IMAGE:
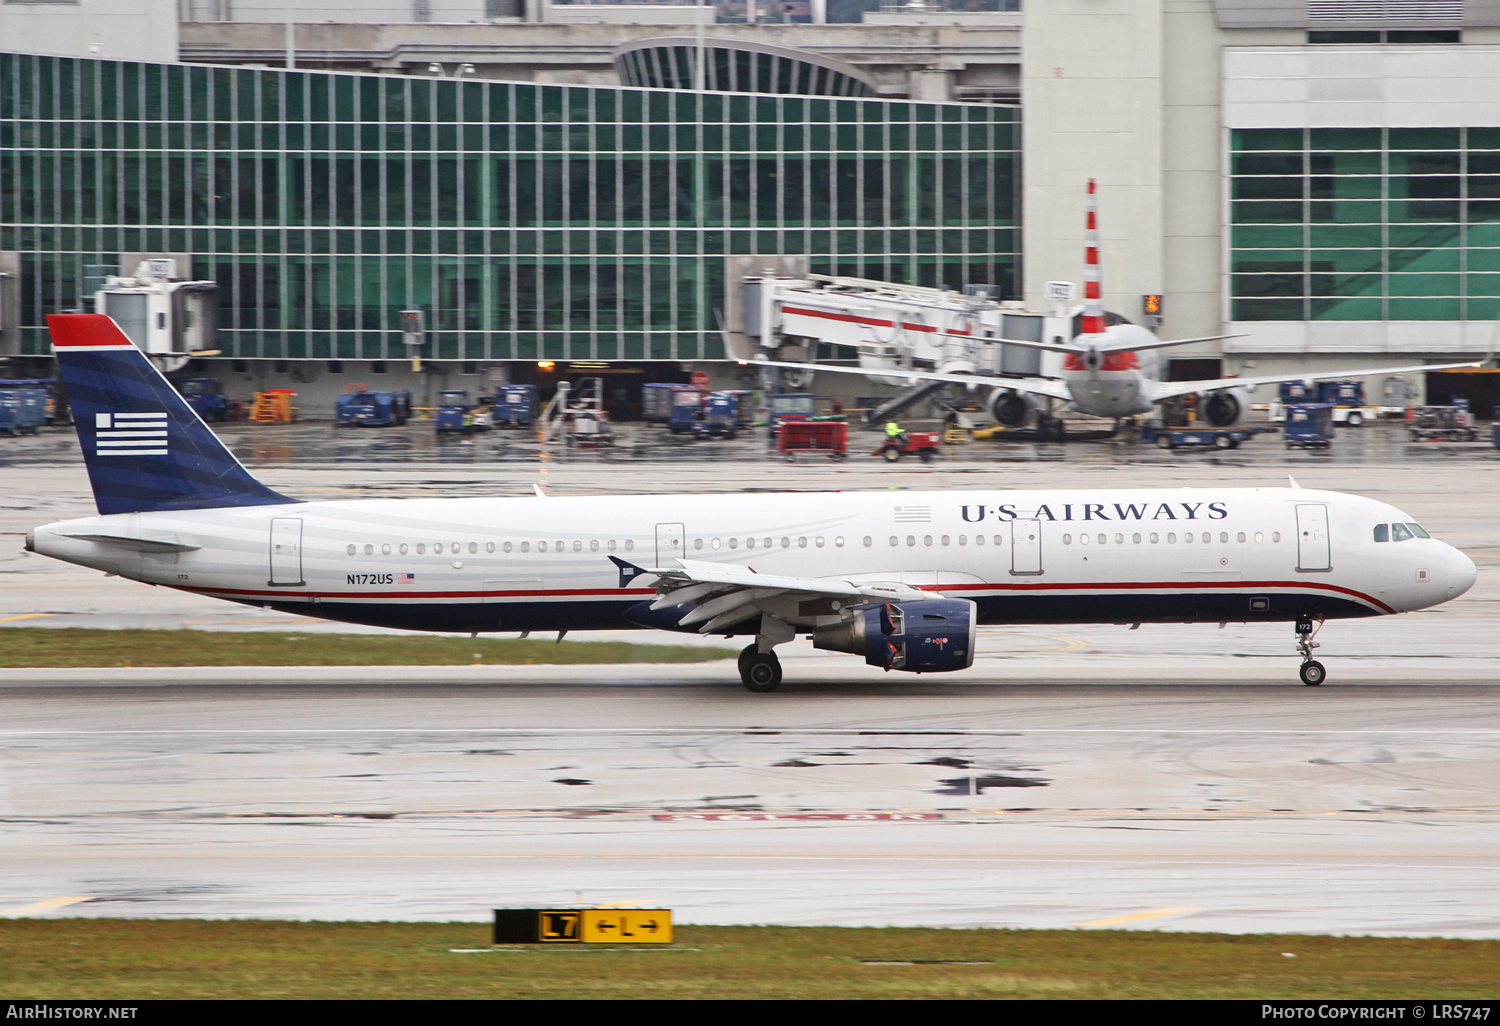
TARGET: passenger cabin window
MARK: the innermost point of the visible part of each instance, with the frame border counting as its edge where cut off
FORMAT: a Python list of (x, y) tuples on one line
[(1382, 532)]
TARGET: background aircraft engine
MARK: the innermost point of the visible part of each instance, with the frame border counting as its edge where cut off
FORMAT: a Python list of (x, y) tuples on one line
[(1011, 408), (923, 636), (1224, 409)]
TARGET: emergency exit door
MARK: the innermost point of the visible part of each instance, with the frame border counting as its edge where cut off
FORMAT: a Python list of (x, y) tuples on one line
[(669, 544), (1026, 547), (286, 551), (1312, 538)]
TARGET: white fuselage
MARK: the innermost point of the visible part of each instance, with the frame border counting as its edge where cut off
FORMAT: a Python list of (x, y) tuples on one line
[(1058, 556)]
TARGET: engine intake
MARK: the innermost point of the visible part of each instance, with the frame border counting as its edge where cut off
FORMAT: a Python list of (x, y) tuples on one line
[(921, 636), (1224, 409), (1011, 408)]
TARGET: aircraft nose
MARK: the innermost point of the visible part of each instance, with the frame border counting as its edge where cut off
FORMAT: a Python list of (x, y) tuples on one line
[(1461, 573)]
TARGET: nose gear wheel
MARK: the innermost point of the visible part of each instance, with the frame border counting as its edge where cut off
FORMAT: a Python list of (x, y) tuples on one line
[(1312, 672)]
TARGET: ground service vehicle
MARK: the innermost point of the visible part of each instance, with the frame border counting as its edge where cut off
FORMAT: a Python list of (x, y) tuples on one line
[(901, 580), (1443, 423), (206, 397), (659, 399), (1308, 426), (818, 437), (363, 408), (515, 405), (720, 416), (23, 411), (925, 445)]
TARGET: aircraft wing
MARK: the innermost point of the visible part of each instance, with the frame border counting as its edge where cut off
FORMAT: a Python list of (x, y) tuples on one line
[(723, 595), (1171, 389), (1034, 386)]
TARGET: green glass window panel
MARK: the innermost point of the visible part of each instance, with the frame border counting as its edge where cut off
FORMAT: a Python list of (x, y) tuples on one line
[(1445, 259), (1268, 163), (1425, 163), (1424, 309), (1344, 139), (1266, 309), (1359, 309), (1264, 212), (1268, 260), (1484, 186), (1338, 236), (1346, 261), (1483, 259), (1484, 138), (1266, 139), (1322, 187), (1266, 285), (1266, 236), (1482, 210), (1481, 309), (1268, 188), (1344, 284), (1344, 212), (1424, 285), (1423, 138), (1482, 284), (1422, 236)]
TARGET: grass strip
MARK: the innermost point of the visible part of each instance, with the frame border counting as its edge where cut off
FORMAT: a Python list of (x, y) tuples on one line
[(125, 959), (81, 646)]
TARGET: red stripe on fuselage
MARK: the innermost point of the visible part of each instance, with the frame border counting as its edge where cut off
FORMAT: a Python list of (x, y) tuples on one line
[(1030, 586), (1114, 361)]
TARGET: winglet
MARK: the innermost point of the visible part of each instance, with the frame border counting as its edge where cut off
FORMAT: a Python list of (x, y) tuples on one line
[(539, 493), (1293, 480), (628, 571)]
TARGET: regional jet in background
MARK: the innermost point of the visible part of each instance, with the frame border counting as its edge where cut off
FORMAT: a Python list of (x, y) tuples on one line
[(900, 579), (1109, 370)]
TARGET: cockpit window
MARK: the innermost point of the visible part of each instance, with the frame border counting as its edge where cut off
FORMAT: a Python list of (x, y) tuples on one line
[(1418, 531), (1382, 532), (1400, 533)]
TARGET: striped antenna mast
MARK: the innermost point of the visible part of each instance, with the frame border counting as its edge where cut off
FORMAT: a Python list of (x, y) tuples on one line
[(1093, 309)]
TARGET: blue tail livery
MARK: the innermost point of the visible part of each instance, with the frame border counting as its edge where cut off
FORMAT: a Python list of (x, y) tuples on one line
[(145, 448)]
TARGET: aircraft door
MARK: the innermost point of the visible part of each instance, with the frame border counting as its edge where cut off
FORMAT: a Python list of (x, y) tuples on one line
[(670, 544), (1312, 538), (286, 551), (1026, 546)]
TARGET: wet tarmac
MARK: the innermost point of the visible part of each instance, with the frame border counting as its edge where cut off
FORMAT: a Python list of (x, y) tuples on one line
[(1175, 777), (323, 443)]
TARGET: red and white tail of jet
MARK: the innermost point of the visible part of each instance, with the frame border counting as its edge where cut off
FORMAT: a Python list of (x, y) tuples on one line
[(1093, 305)]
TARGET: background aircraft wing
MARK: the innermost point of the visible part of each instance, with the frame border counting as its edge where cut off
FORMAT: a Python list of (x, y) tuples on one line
[(1034, 386), (722, 595), (1171, 389)]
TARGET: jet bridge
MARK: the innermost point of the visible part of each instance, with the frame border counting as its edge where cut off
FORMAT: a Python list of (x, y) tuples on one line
[(887, 326)]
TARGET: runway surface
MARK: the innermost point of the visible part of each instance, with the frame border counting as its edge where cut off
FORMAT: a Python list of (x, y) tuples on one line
[(1175, 777), (1191, 806)]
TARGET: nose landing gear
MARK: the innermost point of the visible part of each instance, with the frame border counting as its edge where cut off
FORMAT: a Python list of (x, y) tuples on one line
[(1312, 672)]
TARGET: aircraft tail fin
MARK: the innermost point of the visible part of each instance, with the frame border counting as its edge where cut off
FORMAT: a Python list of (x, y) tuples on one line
[(1093, 305), (145, 447)]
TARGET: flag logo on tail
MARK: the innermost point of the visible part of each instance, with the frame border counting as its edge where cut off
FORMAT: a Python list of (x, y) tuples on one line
[(130, 434)]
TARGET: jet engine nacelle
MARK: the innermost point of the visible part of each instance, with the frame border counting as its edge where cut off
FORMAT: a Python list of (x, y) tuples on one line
[(1011, 409), (1225, 408), (921, 636)]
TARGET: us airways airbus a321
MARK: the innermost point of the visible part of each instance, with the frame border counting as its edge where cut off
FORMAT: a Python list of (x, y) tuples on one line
[(902, 580)]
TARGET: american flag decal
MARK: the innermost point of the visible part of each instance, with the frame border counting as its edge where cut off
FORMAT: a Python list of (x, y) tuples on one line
[(406, 578), (130, 434), (913, 514)]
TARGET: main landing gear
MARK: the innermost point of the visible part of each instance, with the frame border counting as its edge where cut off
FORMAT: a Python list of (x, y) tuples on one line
[(760, 671), (1312, 672)]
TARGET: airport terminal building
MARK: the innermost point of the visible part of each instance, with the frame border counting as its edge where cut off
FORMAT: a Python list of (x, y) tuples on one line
[(1321, 177)]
